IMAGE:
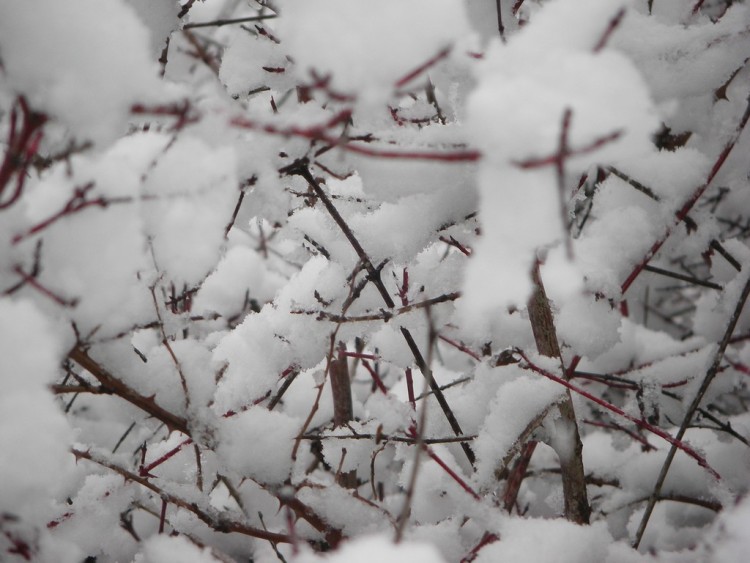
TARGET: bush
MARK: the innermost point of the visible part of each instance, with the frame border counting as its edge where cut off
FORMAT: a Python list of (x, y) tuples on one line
[(421, 280)]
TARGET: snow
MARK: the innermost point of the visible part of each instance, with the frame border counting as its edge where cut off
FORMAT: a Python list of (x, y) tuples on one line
[(664, 53), (368, 67), (179, 254), (167, 549), (374, 549), (547, 541), (34, 434), (257, 443), (517, 403), (85, 62), (516, 115), (192, 192)]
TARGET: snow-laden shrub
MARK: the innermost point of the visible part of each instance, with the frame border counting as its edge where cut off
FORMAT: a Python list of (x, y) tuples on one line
[(414, 280)]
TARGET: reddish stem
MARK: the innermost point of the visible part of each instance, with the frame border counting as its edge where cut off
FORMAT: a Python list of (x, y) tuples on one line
[(375, 377), (614, 23), (461, 347), (452, 473), (609, 406), (423, 67), (688, 206), (487, 539), (145, 471)]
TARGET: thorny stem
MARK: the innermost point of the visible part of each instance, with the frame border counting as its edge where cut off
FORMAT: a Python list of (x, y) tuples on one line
[(219, 23), (418, 434), (168, 346), (710, 374), (209, 516), (114, 385), (382, 315), (682, 213), (319, 134), (300, 168), (528, 364), (384, 438)]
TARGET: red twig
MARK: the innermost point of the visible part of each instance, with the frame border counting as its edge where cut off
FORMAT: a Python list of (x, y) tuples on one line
[(453, 242), (614, 426), (77, 202), (22, 146), (452, 473), (319, 133), (145, 471), (682, 213), (487, 539), (560, 156), (375, 377), (610, 407), (423, 67), (614, 23), (513, 485), (33, 282), (403, 291), (361, 356), (461, 347)]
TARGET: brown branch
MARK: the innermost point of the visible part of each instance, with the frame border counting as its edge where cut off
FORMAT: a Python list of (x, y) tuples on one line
[(343, 410), (208, 515), (111, 384), (383, 315), (577, 507), (219, 23)]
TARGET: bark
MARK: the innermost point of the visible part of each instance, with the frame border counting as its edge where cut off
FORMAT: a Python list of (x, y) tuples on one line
[(569, 447), (343, 411)]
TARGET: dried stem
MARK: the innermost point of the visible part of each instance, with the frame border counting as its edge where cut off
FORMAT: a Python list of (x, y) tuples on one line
[(577, 507)]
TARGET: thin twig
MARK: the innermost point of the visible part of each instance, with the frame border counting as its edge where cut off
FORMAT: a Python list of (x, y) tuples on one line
[(710, 374), (210, 517), (300, 168), (219, 23)]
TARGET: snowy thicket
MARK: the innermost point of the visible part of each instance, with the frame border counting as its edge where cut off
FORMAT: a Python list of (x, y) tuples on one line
[(357, 280)]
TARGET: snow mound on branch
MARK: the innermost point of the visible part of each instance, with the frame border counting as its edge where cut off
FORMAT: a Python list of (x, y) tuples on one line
[(514, 408), (192, 190), (86, 62), (368, 47), (548, 540), (34, 434), (258, 444), (517, 118), (683, 61), (173, 549), (377, 549)]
